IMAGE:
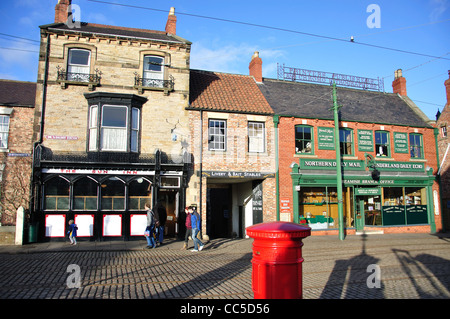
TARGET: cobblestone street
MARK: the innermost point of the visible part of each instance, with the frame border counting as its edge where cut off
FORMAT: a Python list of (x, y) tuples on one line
[(411, 266)]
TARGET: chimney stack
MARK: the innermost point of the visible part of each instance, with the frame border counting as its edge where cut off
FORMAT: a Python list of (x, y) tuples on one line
[(399, 83), (255, 67), (171, 25), (62, 11), (447, 88)]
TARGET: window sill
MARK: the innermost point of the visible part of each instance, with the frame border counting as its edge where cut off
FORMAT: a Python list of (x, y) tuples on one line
[(141, 89), (90, 85)]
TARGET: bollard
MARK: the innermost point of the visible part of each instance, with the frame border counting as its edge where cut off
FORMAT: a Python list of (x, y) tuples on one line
[(277, 260)]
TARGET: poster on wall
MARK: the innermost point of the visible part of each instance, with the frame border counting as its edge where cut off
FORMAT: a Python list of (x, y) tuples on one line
[(138, 223), (85, 224), (112, 225), (55, 225)]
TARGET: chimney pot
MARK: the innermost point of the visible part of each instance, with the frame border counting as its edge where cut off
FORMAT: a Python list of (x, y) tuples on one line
[(255, 67), (171, 25)]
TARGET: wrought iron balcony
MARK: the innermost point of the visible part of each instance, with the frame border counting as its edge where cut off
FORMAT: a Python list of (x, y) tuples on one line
[(141, 84), (91, 80)]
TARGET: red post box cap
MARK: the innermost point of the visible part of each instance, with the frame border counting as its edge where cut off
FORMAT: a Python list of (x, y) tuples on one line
[(278, 230)]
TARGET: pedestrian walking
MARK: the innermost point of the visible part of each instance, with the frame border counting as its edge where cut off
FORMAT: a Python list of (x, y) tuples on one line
[(72, 232), (150, 229), (188, 211), (195, 223)]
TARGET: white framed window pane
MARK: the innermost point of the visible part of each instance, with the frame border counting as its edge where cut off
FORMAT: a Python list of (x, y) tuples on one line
[(78, 65), (114, 139), (4, 130), (256, 137), (114, 116), (217, 135)]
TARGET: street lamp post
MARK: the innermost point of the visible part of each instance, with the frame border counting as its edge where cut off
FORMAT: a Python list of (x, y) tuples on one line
[(336, 108)]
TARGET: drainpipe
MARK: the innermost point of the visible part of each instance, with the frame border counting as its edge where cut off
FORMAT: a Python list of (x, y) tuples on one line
[(200, 173), (41, 126), (276, 120)]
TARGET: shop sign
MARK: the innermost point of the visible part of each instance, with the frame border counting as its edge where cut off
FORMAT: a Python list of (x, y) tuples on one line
[(365, 141), (95, 171), (368, 191), (325, 138), (234, 174), (360, 165), (400, 142)]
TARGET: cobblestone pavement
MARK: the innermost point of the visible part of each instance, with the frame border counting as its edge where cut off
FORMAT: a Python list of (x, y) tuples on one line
[(411, 266)]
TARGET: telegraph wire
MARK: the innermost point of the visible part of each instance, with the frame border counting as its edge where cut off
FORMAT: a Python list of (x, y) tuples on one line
[(272, 28)]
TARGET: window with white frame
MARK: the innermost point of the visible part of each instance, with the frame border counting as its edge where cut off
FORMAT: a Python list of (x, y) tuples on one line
[(117, 130), (256, 140), (153, 71), (217, 135), (4, 131), (78, 65)]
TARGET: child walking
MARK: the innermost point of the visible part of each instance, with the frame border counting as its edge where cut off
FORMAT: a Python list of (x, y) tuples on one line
[(72, 232)]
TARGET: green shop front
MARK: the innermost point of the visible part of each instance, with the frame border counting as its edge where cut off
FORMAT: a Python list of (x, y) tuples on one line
[(379, 194)]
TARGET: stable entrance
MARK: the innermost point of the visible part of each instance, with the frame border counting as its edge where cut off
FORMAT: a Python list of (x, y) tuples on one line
[(233, 206)]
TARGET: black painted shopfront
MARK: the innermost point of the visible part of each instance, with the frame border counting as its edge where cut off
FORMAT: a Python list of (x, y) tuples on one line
[(105, 194)]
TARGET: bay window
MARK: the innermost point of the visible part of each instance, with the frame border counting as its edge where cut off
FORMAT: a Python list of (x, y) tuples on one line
[(114, 122)]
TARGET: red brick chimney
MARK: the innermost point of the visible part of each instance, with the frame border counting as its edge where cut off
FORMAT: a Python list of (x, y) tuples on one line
[(61, 11), (399, 83), (447, 88), (255, 67), (171, 25)]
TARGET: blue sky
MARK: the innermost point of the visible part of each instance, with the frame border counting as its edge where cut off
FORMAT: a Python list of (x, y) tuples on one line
[(410, 25)]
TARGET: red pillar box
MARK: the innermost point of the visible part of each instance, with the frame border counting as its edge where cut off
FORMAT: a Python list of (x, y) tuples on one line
[(277, 260)]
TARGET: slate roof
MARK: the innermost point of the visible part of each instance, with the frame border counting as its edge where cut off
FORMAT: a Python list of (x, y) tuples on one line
[(225, 92), (115, 31), (315, 100), (17, 93)]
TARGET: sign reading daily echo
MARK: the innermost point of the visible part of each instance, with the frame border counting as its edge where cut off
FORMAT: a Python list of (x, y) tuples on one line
[(360, 165)]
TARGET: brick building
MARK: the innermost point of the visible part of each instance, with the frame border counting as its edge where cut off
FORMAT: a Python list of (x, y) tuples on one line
[(234, 152), (16, 125), (111, 110), (388, 152), (16, 131), (443, 126)]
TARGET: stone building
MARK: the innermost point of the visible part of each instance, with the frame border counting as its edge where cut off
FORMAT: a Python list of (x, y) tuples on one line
[(110, 110), (16, 131)]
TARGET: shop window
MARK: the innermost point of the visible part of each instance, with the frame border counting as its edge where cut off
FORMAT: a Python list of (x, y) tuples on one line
[(303, 139), (416, 205), (318, 207), (256, 140), (416, 146), (56, 194), (112, 194), (140, 191), (217, 135), (85, 194), (382, 147), (346, 141)]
